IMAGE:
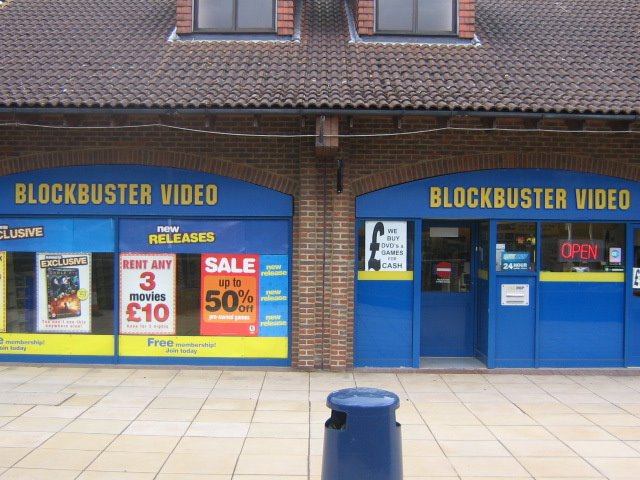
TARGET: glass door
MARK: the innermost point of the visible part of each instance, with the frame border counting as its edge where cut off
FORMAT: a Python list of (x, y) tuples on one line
[(448, 294)]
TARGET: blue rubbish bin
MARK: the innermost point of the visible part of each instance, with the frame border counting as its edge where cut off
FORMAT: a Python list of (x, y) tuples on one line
[(362, 439)]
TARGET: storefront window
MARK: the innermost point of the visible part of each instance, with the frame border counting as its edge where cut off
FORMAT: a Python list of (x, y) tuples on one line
[(446, 259), (43, 296), (516, 247), (583, 247), (100, 265), (183, 281), (188, 294), (200, 294)]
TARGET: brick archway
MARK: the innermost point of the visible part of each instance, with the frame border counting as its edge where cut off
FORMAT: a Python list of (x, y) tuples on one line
[(445, 166), (157, 158)]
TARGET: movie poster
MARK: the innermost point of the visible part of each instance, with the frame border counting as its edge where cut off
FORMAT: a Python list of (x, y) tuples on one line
[(64, 298), (3, 291)]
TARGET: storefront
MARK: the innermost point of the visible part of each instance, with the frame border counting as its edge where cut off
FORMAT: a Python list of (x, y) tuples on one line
[(138, 264), (517, 268)]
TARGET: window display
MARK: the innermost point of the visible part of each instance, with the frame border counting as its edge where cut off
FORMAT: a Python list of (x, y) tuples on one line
[(516, 247), (211, 288), (58, 276), (583, 247), (42, 297)]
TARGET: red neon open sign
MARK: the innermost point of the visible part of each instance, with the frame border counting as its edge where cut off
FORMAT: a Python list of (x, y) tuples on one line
[(580, 250)]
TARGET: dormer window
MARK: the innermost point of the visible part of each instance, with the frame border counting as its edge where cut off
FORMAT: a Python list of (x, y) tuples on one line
[(234, 15), (416, 17), (207, 18), (380, 19)]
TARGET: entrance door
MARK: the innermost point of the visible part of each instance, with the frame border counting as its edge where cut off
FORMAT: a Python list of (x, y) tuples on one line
[(448, 294), (633, 314)]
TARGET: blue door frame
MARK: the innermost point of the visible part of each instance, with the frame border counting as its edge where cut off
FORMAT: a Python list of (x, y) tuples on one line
[(447, 319), (632, 297)]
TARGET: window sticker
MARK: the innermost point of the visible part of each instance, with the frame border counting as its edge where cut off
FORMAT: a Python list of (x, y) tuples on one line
[(147, 294)]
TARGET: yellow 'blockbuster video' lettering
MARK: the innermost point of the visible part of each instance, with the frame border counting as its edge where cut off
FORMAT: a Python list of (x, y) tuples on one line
[(498, 197), (179, 194), (185, 194), (83, 193), (524, 197)]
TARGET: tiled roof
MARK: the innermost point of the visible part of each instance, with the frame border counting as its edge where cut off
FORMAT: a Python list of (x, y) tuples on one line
[(536, 55)]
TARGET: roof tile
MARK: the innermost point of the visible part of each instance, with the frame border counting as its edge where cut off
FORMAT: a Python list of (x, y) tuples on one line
[(533, 56)]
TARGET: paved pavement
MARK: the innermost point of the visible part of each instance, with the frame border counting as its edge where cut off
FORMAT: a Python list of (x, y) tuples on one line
[(60, 422)]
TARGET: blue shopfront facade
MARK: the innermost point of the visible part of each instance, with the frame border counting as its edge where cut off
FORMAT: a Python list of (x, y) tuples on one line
[(514, 267), (143, 265)]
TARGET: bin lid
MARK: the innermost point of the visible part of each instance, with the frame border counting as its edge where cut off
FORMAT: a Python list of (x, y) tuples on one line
[(363, 401)]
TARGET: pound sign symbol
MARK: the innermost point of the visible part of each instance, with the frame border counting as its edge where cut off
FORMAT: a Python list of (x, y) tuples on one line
[(374, 263)]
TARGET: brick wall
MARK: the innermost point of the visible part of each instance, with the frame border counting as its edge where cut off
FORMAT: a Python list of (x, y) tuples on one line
[(364, 14), (466, 18), (285, 17), (364, 17), (324, 220), (184, 17)]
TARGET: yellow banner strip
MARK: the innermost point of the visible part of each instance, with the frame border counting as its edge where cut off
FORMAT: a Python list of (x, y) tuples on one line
[(604, 277), (202, 347), (56, 344), (372, 275)]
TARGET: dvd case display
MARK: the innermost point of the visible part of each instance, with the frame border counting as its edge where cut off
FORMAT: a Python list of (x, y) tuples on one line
[(62, 292)]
